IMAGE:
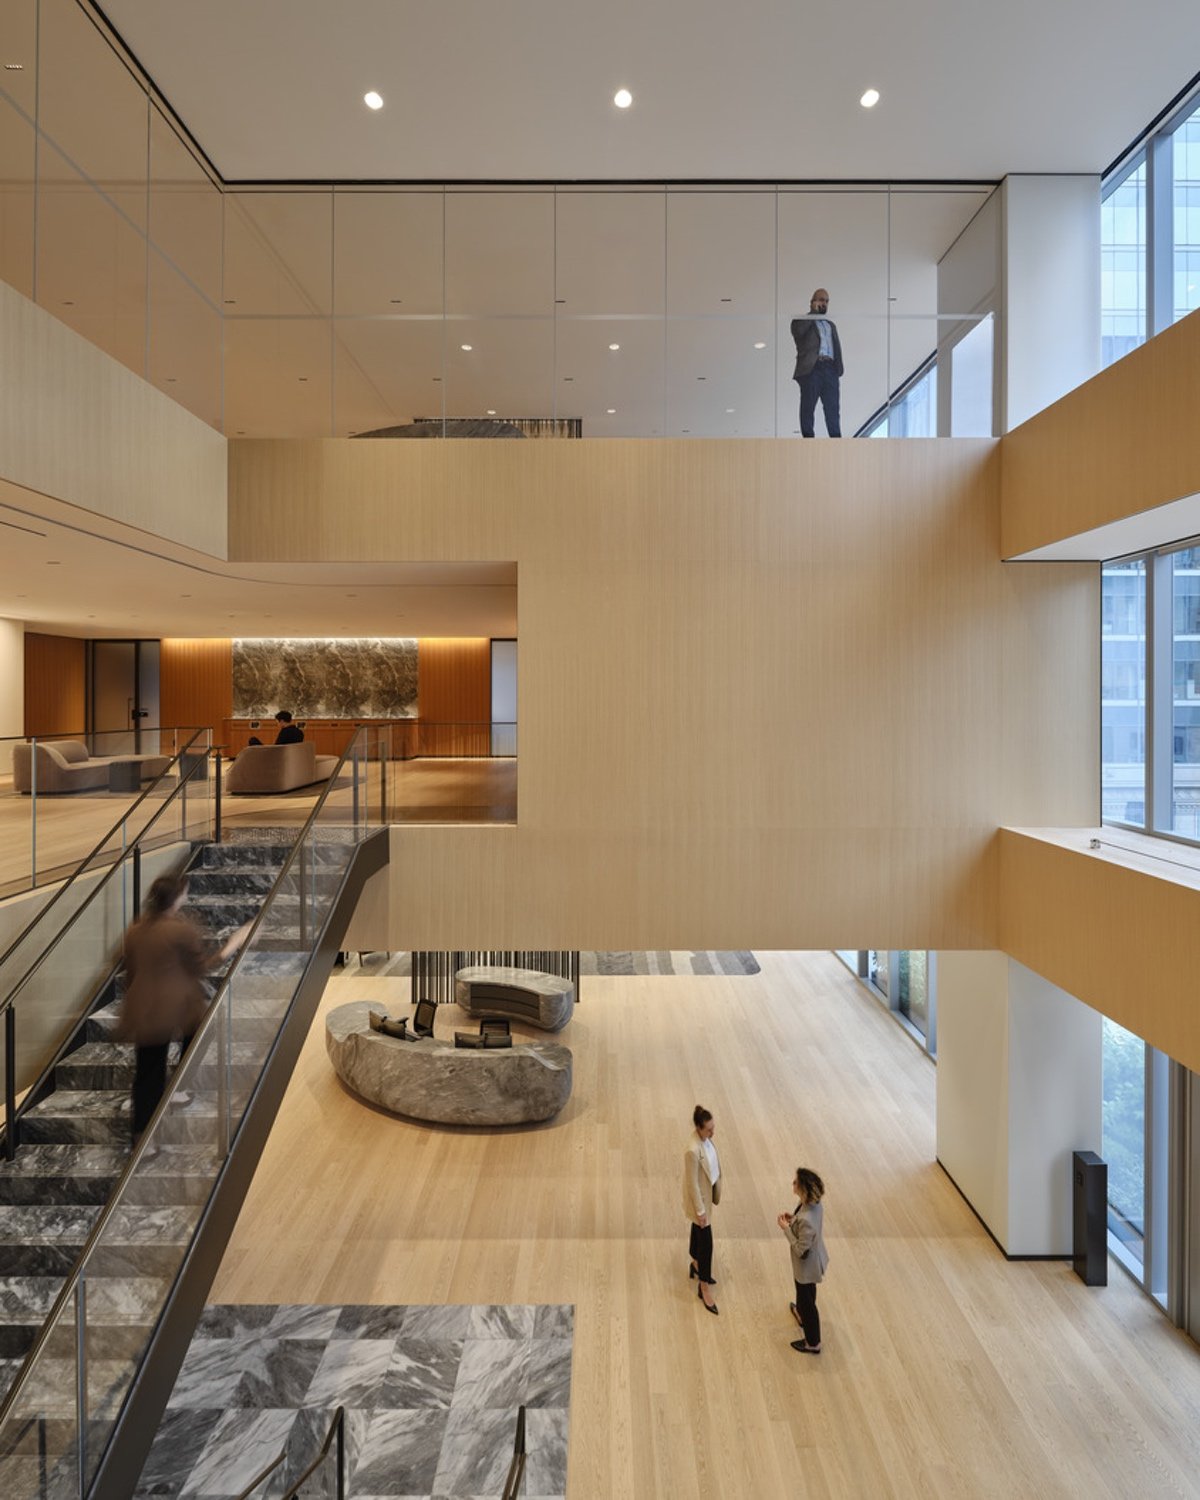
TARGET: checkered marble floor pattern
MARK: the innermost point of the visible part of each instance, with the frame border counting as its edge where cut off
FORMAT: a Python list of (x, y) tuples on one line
[(431, 1397)]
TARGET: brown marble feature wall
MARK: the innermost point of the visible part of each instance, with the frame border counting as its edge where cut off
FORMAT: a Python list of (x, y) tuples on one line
[(455, 692), (326, 679), (54, 684), (196, 682)]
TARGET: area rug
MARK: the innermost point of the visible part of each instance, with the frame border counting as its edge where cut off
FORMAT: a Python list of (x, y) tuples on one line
[(710, 962), (431, 1397)]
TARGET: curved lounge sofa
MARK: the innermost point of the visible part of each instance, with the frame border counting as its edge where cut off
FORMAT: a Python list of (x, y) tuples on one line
[(66, 766), (262, 770), (429, 1080), (543, 1000)]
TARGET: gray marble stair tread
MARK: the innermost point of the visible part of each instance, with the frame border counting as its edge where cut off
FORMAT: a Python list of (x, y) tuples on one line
[(104, 1054), (81, 1104), (116, 1300), (66, 1160), (49, 1224), (46, 1223)]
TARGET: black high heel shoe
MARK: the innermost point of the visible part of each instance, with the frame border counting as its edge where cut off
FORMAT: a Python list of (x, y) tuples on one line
[(708, 1306), (693, 1273)]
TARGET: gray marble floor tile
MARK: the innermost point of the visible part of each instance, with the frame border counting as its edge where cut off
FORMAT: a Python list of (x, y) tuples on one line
[(231, 1321), (553, 1321), (437, 1322), (501, 1322), (492, 1373), (211, 1376), (277, 1372), (303, 1323), (423, 1372), (546, 1453), (181, 1438), (241, 1445), (350, 1372), (548, 1373), (369, 1320), (399, 1453), (476, 1451)]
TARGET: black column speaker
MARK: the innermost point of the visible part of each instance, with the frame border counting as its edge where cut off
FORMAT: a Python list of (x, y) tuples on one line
[(1090, 1202)]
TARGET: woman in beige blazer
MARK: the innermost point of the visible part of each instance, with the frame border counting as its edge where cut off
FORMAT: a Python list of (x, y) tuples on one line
[(805, 1231), (701, 1189)]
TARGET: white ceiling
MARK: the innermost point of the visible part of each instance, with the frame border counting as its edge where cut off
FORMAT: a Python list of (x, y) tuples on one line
[(69, 572), (971, 89)]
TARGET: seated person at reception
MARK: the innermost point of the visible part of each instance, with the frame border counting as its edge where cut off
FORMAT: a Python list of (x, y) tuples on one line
[(289, 733)]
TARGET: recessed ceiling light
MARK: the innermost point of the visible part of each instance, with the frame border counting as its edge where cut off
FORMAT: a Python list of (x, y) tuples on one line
[(729, 411), (373, 100), (760, 345), (466, 348), (614, 347), (612, 411), (622, 98), (491, 411), (20, 68), (870, 99)]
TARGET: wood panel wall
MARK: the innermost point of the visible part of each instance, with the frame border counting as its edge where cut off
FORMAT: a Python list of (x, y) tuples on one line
[(55, 684), (1114, 930), (772, 693), (77, 425), (1124, 442), (196, 682), (454, 690)]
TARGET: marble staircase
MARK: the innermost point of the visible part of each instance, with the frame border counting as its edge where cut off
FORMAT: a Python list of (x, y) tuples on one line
[(75, 1145)]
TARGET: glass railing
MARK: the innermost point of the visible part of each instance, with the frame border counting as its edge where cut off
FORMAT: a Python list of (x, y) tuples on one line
[(83, 1364), (67, 797), (416, 739), (55, 965)]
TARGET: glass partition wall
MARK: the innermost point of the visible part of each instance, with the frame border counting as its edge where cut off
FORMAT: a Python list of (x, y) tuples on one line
[(644, 310)]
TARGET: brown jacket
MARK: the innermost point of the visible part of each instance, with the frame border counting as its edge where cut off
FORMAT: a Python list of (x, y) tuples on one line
[(165, 960)]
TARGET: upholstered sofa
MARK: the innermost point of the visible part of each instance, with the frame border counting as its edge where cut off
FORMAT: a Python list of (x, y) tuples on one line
[(263, 770), (66, 766)]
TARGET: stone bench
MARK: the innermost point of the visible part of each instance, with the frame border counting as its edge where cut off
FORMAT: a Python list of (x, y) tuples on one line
[(429, 1080), (543, 1000)]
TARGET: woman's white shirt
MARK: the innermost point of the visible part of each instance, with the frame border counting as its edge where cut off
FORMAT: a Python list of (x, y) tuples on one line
[(710, 1156)]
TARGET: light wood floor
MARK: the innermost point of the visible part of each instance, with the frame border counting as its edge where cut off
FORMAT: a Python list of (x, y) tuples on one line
[(946, 1371)]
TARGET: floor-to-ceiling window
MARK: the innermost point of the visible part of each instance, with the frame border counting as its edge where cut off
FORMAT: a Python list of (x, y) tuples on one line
[(1123, 264), (1123, 691), (1125, 1141), (1150, 235), (905, 981)]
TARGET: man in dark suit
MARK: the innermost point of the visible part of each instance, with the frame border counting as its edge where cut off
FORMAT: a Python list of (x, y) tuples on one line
[(818, 366), (289, 733)]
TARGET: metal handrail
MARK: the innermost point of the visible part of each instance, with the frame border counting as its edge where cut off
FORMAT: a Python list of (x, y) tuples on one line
[(516, 1470), (81, 868), (8, 1000), (337, 1429), (70, 1286)]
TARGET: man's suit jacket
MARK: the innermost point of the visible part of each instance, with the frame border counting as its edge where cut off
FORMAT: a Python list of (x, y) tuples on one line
[(808, 345), (699, 1193)]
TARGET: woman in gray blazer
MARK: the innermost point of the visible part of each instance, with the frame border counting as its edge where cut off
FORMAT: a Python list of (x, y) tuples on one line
[(809, 1256), (701, 1189)]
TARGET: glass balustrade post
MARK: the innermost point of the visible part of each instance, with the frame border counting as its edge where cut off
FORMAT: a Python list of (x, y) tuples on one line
[(81, 1415), (224, 1072), (10, 1082), (33, 760)]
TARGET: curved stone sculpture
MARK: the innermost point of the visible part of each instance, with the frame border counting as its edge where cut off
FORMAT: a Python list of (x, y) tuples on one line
[(428, 1080), (543, 1000)]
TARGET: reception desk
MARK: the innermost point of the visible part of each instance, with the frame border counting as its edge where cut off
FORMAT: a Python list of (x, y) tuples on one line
[(411, 738)]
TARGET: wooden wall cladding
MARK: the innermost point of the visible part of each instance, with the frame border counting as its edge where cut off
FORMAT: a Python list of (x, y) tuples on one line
[(772, 693), (55, 676), (1114, 927), (454, 696), (1124, 442), (196, 682)]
